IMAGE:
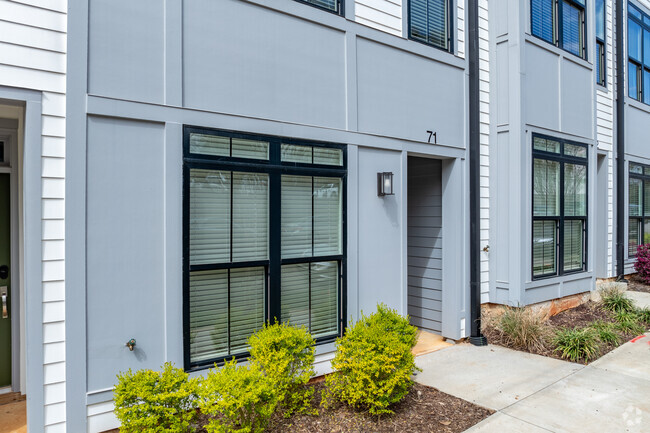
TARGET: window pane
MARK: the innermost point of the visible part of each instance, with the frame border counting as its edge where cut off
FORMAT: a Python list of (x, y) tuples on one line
[(634, 11), (633, 234), (600, 63), (546, 145), (294, 153), (634, 40), (252, 149), (542, 19), (296, 216), (575, 190), (546, 187), (632, 78), (328, 156), (646, 231), (571, 28), (327, 4), (209, 216), (544, 241), (573, 245), (573, 150), (636, 168), (209, 145), (295, 294), (646, 85), (635, 197), (646, 198), (246, 305), (327, 216), (208, 315), (646, 47), (429, 21), (250, 225), (324, 298), (600, 19)]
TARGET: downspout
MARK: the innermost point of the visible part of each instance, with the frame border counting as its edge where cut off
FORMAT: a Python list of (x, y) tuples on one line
[(620, 143), (476, 338)]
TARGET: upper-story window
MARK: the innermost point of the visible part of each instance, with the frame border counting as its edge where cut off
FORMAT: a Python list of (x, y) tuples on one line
[(329, 5), (638, 51), (601, 70), (560, 22), (429, 22)]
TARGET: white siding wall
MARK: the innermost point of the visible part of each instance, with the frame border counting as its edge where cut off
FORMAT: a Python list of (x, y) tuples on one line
[(33, 56), (460, 22), (385, 15), (484, 88)]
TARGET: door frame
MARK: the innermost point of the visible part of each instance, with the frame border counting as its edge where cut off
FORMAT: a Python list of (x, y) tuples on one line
[(9, 134)]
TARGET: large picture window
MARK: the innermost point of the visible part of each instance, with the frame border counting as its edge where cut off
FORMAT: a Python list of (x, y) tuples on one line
[(263, 239), (559, 207), (429, 22), (638, 230), (561, 23), (638, 51)]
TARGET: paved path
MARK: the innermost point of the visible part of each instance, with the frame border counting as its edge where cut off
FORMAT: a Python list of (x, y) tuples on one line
[(535, 394)]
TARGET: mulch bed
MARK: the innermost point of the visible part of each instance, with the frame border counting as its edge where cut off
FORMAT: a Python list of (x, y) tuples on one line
[(580, 317), (636, 284)]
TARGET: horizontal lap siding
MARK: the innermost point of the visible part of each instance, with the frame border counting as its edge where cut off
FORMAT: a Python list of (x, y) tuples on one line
[(484, 98), (33, 56), (384, 15), (425, 244)]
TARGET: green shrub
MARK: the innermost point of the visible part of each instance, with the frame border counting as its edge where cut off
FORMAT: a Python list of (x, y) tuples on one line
[(522, 328), (606, 332), (155, 401), (238, 398), (614, 300), (285, 354), (628, 323), (577, 344), (644, 315), (373, 362)]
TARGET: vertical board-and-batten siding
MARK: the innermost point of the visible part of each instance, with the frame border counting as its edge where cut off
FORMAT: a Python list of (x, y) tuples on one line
[(605, 106), (425, 243), (33, 56)]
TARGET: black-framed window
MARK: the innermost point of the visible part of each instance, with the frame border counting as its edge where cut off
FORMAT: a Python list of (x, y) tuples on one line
[(638, 230), (263, 238), (561, 23), (638, 51), (430, 22), (335, 6), (601, 39), (559, 207)]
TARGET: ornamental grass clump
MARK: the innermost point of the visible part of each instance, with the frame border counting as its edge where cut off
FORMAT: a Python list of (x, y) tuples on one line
[(522, 328), (642, 264), (615, 300), (628, 323), (606, 332), (154, 401), (373, 363), (285, 354), (238, 398), (577, 344)]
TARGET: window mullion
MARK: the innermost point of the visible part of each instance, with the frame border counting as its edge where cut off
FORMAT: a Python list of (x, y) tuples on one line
[(275, 250)]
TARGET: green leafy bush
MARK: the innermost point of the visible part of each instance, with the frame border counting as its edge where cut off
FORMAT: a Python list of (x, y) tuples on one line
[(285, 354), (373, 362), (155, 401), (522, 328), (644, 315), (628, 323), (614, 300), (606, 332), (239, 399), (577, 344)]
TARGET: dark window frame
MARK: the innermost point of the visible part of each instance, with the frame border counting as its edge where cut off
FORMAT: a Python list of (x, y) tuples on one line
[(561, 218), (450, 28), (558, 26), (641, 67), (601, 49), (640, 219), (275, 168), (340, 7)]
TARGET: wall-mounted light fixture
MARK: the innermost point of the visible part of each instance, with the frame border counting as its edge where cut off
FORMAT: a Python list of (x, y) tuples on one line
[(385, 184)]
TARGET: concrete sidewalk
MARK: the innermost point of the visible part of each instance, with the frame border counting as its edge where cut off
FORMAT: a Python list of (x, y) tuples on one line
[(532, 393)]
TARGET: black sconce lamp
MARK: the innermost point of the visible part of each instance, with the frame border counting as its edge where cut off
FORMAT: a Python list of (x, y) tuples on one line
[(385, 184)]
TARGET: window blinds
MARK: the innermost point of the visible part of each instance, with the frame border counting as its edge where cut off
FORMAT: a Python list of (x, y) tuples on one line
[(429, 21), (542, 19), (571, 28)]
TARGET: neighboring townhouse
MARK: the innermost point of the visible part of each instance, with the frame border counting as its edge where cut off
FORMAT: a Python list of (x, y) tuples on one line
[(207, 165)]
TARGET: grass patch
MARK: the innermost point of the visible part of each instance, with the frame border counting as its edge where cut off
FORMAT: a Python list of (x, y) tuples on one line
[(577, 344)]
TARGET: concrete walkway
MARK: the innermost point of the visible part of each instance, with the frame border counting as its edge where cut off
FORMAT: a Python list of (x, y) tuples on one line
[(641, 299), (532, 393)]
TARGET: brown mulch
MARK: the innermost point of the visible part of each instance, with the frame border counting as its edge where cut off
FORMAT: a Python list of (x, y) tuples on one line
[(580, 317), (635, 283)]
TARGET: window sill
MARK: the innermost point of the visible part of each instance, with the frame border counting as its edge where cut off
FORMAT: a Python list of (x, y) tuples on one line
[(547, 281), (541, 43), (637, 104)]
